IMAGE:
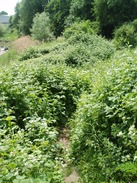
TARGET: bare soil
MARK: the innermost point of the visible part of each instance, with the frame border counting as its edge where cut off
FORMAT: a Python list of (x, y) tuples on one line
[(65, 143)]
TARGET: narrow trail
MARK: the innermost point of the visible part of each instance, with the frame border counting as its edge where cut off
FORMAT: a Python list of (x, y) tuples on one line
[(65, 143)]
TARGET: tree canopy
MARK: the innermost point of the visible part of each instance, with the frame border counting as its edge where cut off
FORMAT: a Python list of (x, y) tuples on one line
[(3, 13), (108, 14), (25, 12)]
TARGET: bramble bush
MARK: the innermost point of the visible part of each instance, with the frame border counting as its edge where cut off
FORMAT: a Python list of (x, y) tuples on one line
[(126, 35), (79, 27), (104, 129), (41, 89), (77, 50), (30, 155), (36, 99)]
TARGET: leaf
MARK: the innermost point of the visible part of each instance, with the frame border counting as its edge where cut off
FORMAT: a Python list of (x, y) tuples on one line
[(20, 177)]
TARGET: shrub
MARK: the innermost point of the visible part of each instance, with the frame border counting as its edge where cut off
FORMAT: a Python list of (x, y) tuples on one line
[(98, 47), (79, 27), (31, 155), (48, 91), (36, 98), (2, 30), (104, 130), (126, 35), (77, 50), (41, 27)]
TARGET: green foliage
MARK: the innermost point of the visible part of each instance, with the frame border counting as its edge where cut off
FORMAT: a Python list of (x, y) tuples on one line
[(93, 47), (79, 27), (8, 57), (80, 10), (126, 35), (79, 49), (41, 29), (126, 171), (3, 29), (31, 155), (58, 11), (36, 98), (104, 130), (111, 14), (24, 14), (46, 91)]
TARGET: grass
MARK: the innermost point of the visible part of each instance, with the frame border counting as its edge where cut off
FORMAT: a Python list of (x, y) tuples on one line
[(23, 43), (16, 47)]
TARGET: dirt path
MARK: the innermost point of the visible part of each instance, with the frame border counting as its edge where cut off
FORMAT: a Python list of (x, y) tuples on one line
[(65, 143)]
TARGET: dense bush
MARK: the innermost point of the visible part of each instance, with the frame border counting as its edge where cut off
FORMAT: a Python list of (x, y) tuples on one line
[(97, 47), (111, 14), (35, 100), (126, 35), (79, 27), (2, 30), (41, 29), (78, 49), (31, 155), (104, 130), (41, 89)]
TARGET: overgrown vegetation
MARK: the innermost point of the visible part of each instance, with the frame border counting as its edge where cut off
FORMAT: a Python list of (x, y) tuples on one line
[(41, 29), (104, 127), (80, 81), (126, 35)]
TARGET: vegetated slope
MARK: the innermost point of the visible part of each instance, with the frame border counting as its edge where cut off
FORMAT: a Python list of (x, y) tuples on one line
[(40, 93), (104, 130), (77, 50), (38, 98)]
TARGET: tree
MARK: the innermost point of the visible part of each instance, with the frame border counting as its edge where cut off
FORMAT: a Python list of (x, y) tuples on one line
[(113, 13), (15, 20), (3, 13), (25, 12), (41, 29), (80, 10), (58, 11)]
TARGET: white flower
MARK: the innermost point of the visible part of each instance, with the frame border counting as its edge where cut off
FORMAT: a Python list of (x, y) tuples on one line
[(120, 134), (135, 157)]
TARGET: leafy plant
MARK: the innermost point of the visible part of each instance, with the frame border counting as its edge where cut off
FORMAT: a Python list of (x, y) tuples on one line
[(41, 29), (30, 155), (126, 35), (2, 30), (104, 130), (79, 27)]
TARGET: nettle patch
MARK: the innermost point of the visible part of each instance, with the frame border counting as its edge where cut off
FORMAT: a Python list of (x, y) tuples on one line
[(35, 100), (104, 130)]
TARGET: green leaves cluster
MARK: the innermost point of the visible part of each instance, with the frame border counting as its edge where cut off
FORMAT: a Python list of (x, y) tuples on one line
[(47, 91), (108, 14), (79, 48), (29, 155), (104, 130), (36, 98), (41, 29), (126, 35)]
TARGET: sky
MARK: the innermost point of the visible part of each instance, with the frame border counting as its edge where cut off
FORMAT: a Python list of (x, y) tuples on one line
[(8, 6)]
